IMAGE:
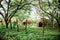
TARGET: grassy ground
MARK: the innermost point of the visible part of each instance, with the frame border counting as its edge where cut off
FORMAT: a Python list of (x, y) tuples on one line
[(33, 33)]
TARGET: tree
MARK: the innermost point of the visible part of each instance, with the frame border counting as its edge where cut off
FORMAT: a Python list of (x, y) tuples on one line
[(51, 8), (12, 7), (54, 9)]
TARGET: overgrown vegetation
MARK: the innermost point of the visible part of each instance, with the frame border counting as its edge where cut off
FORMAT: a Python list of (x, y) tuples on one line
[(16, 29), (33, 33)]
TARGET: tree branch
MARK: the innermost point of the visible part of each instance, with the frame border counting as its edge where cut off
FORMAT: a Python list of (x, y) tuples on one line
[(6, 1), (3, 8), (46, 12), (15, 11), (2, 15)]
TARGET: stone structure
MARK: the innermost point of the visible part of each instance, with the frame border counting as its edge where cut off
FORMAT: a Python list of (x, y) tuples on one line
[(28, 21), (42, 21)]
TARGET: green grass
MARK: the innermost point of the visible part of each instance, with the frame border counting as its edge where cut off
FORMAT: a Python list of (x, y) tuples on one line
[(33, 33)]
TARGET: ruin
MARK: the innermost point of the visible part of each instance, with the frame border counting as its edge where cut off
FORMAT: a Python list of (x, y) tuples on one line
[(42, 21), (28, 21)]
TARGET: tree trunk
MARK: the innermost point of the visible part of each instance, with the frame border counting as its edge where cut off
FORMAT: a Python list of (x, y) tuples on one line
[(43, 29), (58, 23), (6, 25), (26, 27), (10, 24), (43, 26), (2, 23), (58, 37), (52, 22), (59, 27), (17, 25)]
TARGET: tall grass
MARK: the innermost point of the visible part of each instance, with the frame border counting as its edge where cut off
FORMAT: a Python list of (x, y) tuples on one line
[(33, 33)]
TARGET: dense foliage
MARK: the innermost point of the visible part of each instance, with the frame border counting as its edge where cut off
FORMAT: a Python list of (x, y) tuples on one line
[(33, 33), (21, 9)]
